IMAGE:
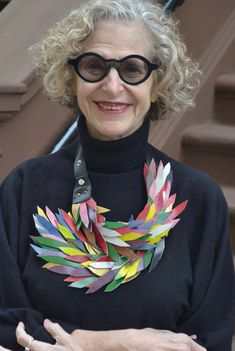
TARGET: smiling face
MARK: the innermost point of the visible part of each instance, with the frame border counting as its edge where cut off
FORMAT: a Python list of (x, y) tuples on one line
[(113, 109)]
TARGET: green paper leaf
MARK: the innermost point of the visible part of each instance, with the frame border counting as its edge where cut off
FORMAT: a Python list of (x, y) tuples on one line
[(114, 254), (48, 242), (162, 216), (113, 285), (83, 282), (113, 225), (79, 223), (60, 260), (145, 237), (147, 259)]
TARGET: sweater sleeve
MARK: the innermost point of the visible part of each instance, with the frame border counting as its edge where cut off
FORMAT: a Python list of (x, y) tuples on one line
[(212, 311), (15, 304)]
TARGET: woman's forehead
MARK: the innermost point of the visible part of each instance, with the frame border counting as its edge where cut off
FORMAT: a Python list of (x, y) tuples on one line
[(119, 38)]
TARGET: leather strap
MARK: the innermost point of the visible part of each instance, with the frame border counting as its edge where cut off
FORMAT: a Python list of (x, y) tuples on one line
[(82, 188)]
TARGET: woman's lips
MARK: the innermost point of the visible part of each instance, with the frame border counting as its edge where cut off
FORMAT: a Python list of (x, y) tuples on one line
[(112, 107)]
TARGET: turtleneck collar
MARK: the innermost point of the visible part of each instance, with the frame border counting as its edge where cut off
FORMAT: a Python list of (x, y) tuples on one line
[(114, 156)]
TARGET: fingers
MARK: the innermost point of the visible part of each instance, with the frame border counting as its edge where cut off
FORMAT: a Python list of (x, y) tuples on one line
[(186, 342), (62, 338), (165, 340), (197, 347), (57, 332), (28, 342), (22, 337)]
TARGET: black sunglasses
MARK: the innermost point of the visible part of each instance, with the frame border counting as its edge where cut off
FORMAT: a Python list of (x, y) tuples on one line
[(132, 69)]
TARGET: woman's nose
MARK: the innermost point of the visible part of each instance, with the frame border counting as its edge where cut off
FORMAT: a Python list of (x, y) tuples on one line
[(112, 83)]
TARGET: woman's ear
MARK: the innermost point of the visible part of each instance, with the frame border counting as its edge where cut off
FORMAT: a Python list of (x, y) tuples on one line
[(154, 96), (154, 92)]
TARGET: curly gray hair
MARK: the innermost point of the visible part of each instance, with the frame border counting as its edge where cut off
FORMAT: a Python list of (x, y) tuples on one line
[(175, 79)]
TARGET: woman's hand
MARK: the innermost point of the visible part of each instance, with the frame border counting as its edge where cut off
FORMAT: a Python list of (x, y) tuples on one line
[(63, 340), (147, 339)]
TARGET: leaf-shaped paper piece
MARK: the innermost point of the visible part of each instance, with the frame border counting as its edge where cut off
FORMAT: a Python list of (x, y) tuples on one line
[(114, 285), (102, 281), (131, 236), (46, 252), (60, 260), (93, 252), (160, 229), (102, 209), (83, 282), (44, 226), (50, 215), (72, 271), (113, 225), (100, 241), (177, 210), (158, 251), (75, 212), (71, 251), (48, 242), (84, 214), (117, 242), (67, 234)]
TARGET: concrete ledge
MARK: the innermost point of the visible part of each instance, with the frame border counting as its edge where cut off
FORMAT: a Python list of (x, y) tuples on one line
[(211, 136), (225, 85)]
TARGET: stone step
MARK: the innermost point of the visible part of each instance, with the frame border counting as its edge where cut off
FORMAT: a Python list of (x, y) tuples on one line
[(211, 148), (224, 107), (219, 137), (11, 94), (225, 85), (224, 110)]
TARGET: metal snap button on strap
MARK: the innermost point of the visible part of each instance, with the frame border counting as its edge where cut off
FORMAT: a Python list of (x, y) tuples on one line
[(82, 189)]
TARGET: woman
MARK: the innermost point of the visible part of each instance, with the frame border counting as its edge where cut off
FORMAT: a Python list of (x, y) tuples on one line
[(132, 281)]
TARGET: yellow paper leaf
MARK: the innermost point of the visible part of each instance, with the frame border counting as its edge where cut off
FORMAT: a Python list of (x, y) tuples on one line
[(130, 236), (91, 249), (102, 209), (86, 264), (72, 252), (41, 213), (97, 271), (50, 265), (158, 238), (123, 271), (132, 269), (65, 232), (75, 209), (152, 211), (131, 278)]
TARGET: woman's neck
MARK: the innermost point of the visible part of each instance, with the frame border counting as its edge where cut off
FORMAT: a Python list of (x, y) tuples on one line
[(115, 156)]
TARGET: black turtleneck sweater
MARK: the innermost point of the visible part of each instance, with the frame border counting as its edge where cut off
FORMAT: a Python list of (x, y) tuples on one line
[(192, 290)]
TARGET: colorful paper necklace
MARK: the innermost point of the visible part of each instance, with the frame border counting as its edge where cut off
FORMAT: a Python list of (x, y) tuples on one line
[(94, 252)]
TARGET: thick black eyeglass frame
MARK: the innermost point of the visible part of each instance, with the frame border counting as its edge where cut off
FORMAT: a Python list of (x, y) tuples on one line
[(113, 63)]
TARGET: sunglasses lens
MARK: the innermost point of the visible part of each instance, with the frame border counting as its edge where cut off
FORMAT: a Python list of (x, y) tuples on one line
[(133, 70), (91, 68)]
